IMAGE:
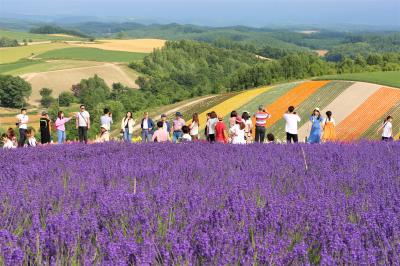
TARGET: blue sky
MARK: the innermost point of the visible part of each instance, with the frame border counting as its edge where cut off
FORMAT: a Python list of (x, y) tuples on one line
[(221, 12)]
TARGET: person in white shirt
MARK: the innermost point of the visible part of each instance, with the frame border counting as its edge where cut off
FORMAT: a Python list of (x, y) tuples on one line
[(237, 132), (127, 127), (83, 124), (106, 119), (22, 124), (7, 142), (194, 127), (211, 126), (387, 131), (292, 119)]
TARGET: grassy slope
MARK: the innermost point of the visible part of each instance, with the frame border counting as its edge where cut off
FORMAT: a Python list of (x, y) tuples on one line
[(33, 66), (373, 133), (13, 54), (321, 98), (92, 54), (390, 78), (21, 35), (264, 99)]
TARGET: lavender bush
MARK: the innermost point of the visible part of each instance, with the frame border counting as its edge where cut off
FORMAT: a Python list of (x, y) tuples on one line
[(201, 204)]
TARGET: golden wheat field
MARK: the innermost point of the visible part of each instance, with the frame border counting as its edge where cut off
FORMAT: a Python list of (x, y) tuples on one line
[(135, 45)]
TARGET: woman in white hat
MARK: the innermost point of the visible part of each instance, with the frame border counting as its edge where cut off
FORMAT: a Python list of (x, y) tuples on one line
[(315, 133)]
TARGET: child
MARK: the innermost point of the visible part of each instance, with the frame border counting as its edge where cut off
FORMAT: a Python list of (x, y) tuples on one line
[(30, 134), (329, 128), (7, 142), (186, 136), (270, 138)]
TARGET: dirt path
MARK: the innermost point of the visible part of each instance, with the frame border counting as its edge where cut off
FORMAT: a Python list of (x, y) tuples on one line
[(344, 104)]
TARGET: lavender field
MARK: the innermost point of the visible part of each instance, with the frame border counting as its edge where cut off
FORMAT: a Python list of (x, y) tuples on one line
[(201, 204)]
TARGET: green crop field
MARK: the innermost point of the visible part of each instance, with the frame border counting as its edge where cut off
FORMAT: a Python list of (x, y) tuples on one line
[(389, 78), (92, 54), (25, 66), (13, 54), (21, 35)]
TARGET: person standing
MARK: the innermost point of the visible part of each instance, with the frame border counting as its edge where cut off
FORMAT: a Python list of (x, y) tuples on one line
[(329, 127), (22, 124), (261, 121), (387, 129), (237, 131), (60, 127), (45, 126), (166, 125), (147, 126), (220, 130), (194, 127), (127, 125), (211, 126), (83, 124), (292, 119), (232, 119), (106, 119), (315, 132), (177, 125), (249, 127)]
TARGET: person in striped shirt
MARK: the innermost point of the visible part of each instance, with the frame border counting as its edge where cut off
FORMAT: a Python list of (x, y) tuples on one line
[(261, 120)]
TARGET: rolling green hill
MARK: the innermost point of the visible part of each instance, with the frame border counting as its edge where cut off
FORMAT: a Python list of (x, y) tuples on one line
[(92, 54), (389, 78)]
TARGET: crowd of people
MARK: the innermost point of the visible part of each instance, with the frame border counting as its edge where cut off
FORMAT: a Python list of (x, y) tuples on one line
[(239, 129)]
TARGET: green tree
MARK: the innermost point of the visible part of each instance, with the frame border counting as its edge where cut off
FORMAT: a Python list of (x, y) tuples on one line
[(14, 91), (93, 91), (66, 98), (47, 100)]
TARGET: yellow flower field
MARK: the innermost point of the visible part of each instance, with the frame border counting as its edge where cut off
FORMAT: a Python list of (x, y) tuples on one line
[(233, 103)]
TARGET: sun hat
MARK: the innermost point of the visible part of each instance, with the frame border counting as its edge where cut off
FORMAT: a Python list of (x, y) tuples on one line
[(317, 109), (104, 126), (239, 119), (178, 114)]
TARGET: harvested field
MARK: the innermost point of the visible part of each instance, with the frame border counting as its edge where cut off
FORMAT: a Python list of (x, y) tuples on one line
[(12, 54), (135, 45)]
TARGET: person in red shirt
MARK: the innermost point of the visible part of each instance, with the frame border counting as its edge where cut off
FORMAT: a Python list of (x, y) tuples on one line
[(261, 120), (220, 130)]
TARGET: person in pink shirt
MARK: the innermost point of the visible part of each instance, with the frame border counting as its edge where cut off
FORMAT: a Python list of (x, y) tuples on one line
[(60, 127), (161, 135), (177, 125)]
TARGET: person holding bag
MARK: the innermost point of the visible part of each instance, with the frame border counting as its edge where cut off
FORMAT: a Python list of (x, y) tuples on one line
[(127, 125), (83, 124)]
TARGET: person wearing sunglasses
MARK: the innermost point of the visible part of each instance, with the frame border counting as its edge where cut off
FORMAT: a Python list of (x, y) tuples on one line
[(83, 124)]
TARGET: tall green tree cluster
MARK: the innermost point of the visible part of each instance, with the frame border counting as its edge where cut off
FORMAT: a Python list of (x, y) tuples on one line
[(14, 91)]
